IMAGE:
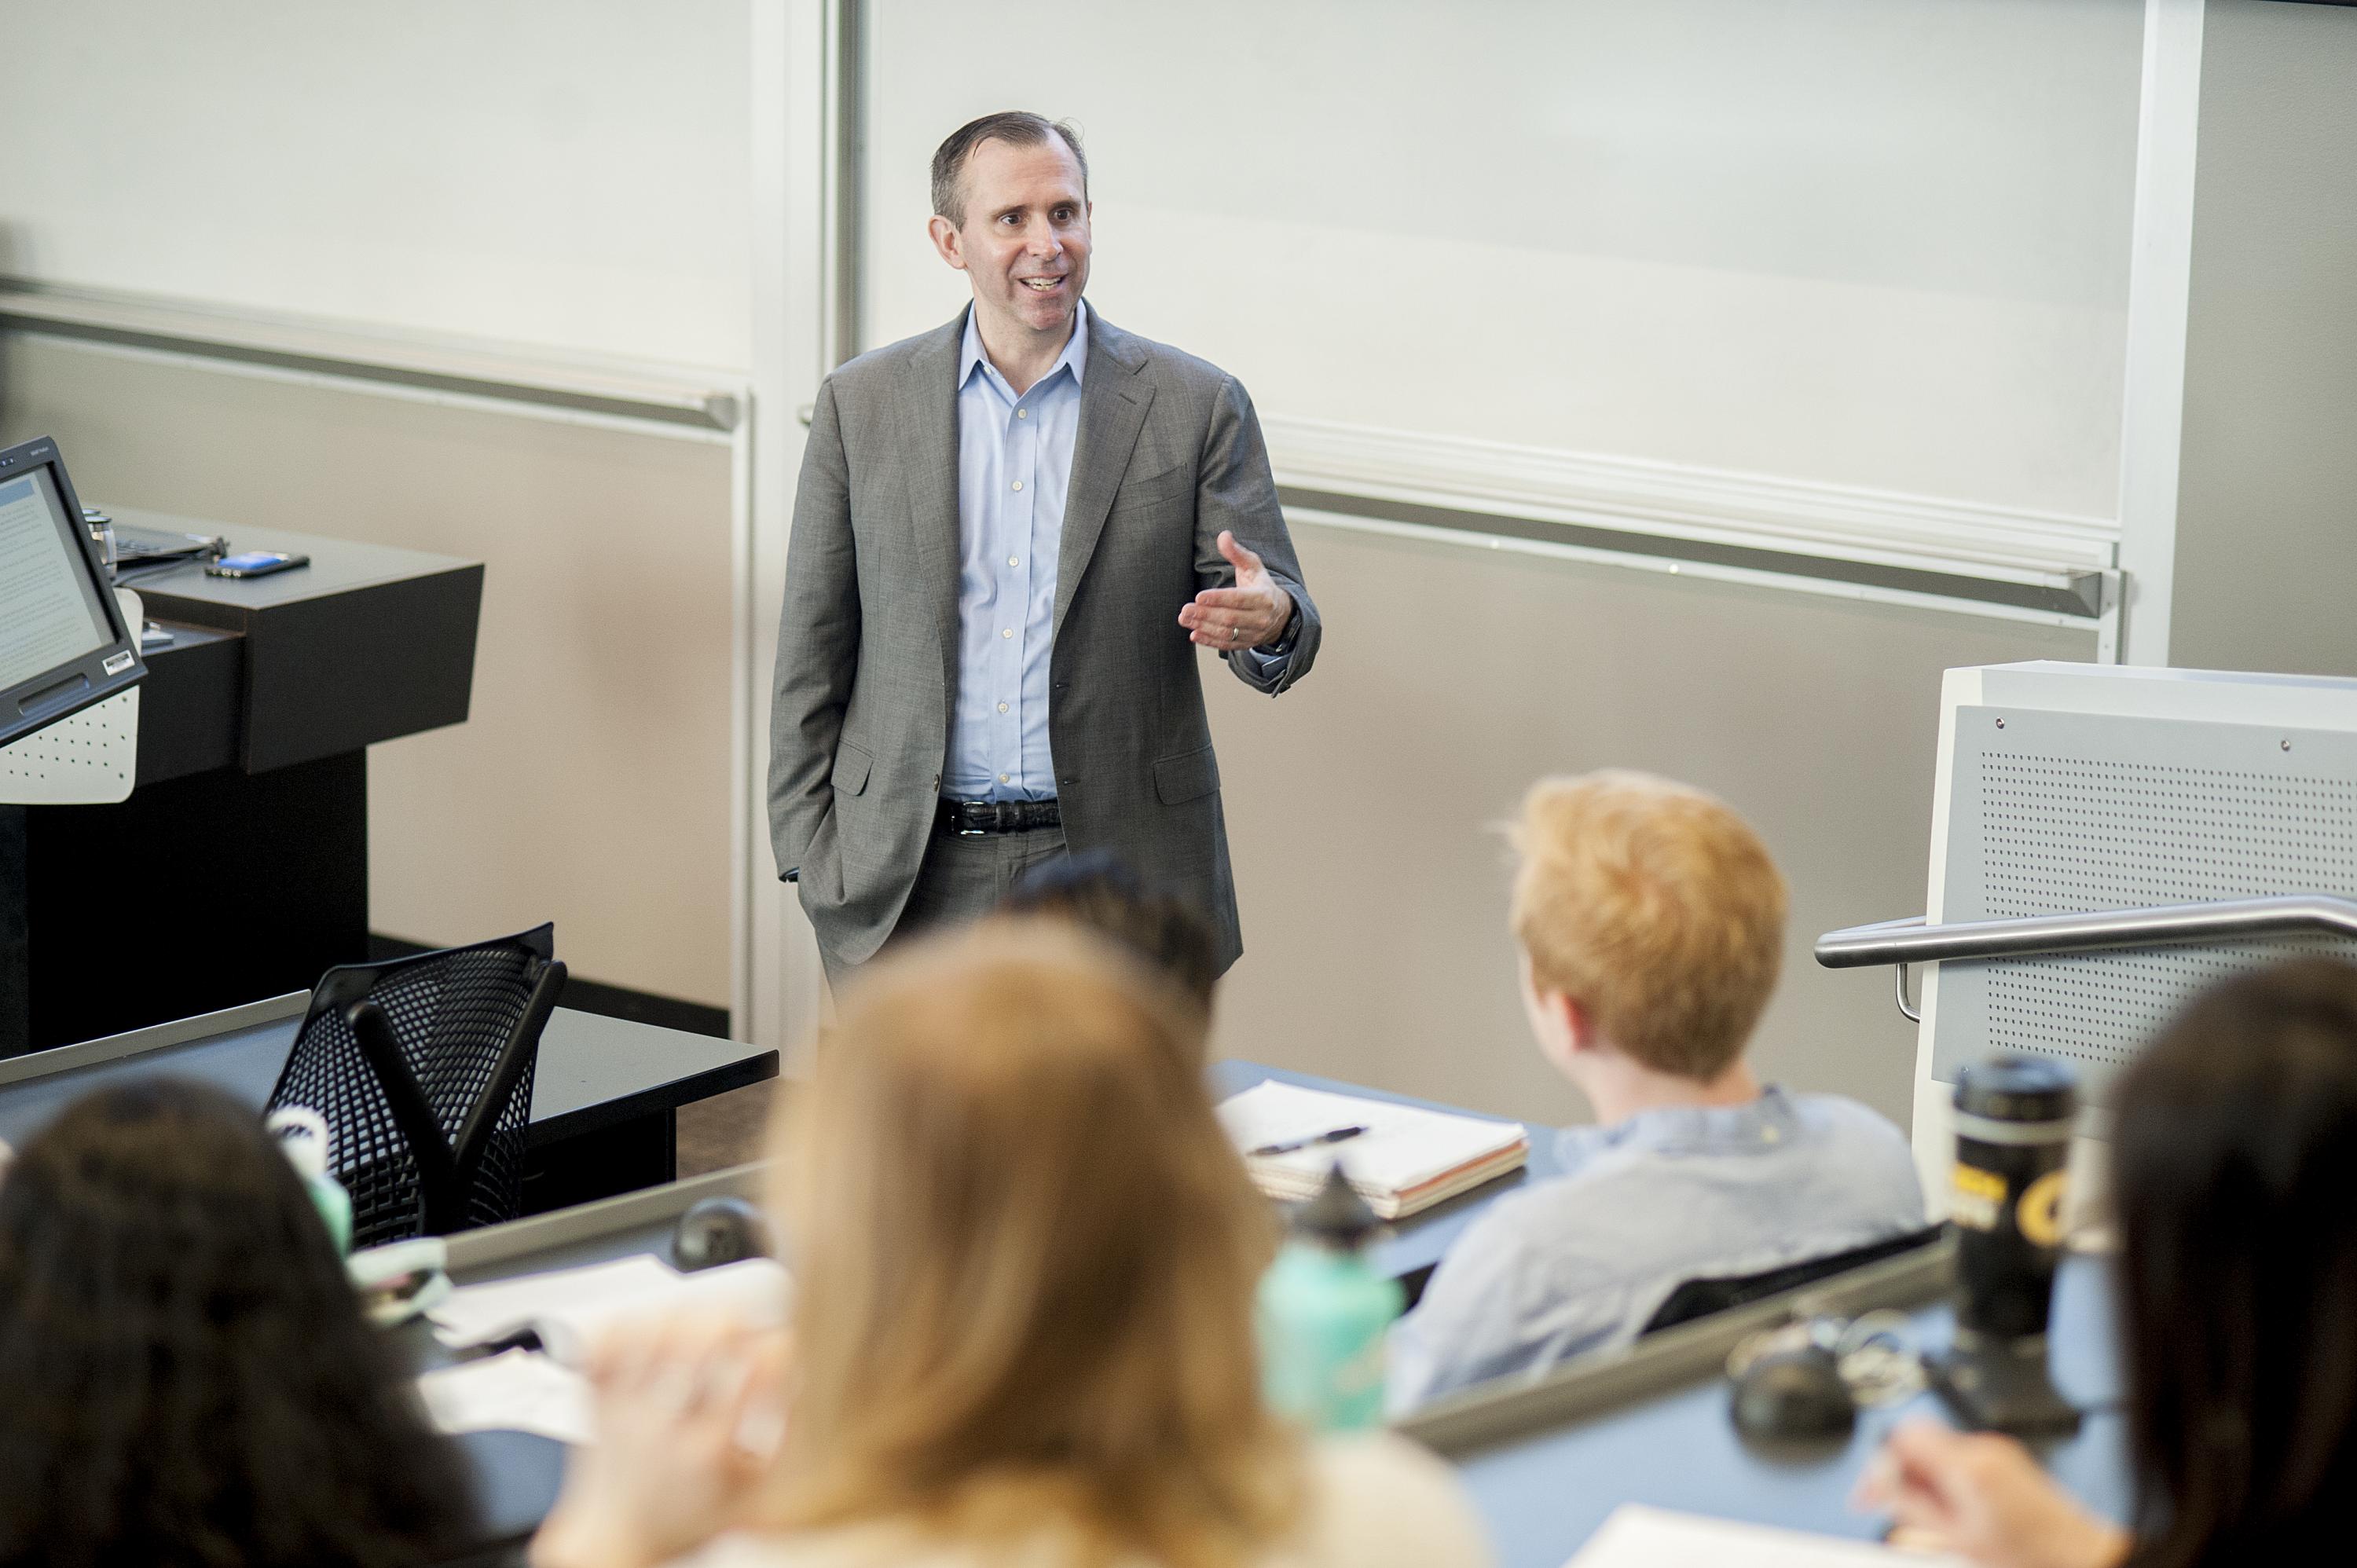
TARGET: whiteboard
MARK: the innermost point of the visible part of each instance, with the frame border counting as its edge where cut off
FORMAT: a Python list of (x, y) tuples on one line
[(1873, 242), (573, 174)]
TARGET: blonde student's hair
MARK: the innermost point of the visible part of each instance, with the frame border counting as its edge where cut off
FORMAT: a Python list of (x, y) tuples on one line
[(1026, 1256), (1656, 907)]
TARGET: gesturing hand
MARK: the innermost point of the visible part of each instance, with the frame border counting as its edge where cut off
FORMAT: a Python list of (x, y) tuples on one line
[(1252, 614)]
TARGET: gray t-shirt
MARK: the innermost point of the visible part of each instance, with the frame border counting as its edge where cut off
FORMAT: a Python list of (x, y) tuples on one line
[(1580, 1262)]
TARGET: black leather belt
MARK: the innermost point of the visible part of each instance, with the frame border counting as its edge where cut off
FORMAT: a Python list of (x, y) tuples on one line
[(971, 819)]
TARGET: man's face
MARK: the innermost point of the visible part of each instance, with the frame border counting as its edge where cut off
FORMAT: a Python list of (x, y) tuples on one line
[(1025, 241)]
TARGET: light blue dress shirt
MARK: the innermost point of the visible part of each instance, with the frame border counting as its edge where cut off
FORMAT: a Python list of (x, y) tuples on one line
[(1579, 1264), (1015, 465)]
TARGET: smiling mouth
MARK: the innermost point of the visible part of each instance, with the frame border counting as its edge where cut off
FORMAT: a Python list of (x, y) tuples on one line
[(1042, 286)]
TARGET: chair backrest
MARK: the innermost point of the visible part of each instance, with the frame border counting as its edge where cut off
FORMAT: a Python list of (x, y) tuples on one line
[(423, 1068), (1701, 1297)]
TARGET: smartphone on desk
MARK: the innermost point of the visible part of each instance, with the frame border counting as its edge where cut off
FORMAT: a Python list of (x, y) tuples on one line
[(255, 563)]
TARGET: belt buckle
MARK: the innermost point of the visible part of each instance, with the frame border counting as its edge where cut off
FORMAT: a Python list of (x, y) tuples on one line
[(964, 817)]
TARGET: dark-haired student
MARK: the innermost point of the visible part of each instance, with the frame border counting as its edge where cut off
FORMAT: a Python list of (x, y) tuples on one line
[(2233, 1167), (184, 1374), (1099, 891)]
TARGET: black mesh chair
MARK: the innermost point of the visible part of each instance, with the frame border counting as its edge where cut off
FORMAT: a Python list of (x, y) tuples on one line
[(1701, 1297), (423, 1068)]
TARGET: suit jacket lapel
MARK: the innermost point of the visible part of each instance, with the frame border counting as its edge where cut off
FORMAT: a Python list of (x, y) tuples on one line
[(925, 412), (1113, 401)]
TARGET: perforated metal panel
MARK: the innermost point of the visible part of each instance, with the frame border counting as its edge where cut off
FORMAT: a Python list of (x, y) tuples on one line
[(2054, 814), (87, 759)]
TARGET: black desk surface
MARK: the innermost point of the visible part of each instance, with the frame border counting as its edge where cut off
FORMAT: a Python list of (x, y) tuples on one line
[(366, 643), (337, 567), (594, 1071)]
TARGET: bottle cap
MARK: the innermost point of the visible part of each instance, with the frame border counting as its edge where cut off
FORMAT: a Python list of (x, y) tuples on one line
[(303, 1133), (1338, 1216), (2015, 1088)]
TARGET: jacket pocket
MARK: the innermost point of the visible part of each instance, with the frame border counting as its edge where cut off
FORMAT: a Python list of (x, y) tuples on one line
[(852, 767), (1189, 776), (1178, 480)]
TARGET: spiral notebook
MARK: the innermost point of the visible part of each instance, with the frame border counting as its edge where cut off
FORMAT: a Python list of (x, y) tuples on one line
[(1408, 1159)]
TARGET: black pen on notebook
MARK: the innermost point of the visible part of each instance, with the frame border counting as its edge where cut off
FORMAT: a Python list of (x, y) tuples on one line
[(1290, 1145)]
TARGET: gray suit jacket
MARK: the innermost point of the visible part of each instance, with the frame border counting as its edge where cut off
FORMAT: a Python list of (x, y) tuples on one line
[(1167, 453)]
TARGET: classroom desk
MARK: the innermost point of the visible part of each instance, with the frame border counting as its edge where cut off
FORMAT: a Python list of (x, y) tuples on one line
[(1547, 1462), (518, 1473), (604, 1090)]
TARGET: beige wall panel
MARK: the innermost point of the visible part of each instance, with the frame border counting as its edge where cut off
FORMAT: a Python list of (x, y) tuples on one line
[(1358, 804), (590, 784), (2266, 532)]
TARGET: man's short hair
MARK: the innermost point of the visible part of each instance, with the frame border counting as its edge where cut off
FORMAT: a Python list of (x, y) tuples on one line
[(1018, 127), (1655, 906)]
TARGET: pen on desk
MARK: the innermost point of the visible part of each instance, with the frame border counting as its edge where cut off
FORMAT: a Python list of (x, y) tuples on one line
[(1333, 1135)]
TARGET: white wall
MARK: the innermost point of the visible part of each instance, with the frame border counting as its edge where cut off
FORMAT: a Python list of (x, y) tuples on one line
[(1876, 242), (573, 174)]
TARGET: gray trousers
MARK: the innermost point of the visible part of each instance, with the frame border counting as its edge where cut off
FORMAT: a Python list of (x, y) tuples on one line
[(961, 879)]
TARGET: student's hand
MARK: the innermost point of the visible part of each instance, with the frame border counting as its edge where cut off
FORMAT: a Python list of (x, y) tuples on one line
[(1986, 1499), (690, 1409)]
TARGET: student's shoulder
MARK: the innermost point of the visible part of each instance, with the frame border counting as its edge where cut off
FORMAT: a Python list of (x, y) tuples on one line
[(1838, 1117), (1376, 1500), (1861, 1143)]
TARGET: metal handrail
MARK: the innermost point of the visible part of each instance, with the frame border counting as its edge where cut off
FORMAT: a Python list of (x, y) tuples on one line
[(1913, 941)]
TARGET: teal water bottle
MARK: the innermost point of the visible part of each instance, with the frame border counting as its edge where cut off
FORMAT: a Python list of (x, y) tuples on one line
[(303, 1133), (1323, 1311)]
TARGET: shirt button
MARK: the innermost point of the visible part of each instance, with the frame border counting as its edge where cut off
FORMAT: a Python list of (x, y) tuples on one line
[(1008, 632), (1011, 561), (1022, 413), (1018, 484), (1002, 707), (1004, 779)]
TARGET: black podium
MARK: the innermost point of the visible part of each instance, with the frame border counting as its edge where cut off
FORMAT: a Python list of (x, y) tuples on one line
[(237, 867)]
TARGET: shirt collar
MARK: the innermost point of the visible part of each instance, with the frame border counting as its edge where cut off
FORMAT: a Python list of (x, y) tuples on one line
[(1075, 357), (1768, 1123)]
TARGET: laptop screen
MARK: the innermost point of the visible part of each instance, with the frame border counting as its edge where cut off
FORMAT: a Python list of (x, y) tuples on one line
[(49, 609), (64, 644)]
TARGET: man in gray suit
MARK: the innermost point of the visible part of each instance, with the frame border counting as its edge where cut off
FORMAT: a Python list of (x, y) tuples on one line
[(1010, 536)]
